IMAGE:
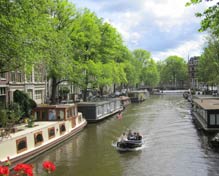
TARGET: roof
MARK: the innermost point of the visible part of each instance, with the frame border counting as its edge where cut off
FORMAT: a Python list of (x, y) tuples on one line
[(207, 104), (46, 106)]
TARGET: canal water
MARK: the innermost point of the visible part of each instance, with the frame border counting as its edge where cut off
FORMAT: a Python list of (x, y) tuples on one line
[(173, 144)]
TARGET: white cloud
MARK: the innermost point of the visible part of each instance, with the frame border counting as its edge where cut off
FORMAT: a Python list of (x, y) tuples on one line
[(187, 49), (164, 27)]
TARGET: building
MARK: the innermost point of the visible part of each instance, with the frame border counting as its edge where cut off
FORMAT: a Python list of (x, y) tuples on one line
[(192, 70), (34, 84)]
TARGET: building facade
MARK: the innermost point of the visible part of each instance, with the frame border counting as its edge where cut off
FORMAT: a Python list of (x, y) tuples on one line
[(34, 84), (192, 70)]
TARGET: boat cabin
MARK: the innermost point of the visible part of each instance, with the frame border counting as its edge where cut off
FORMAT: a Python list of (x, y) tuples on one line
[(55, 112), (99, 110), (206, 112), (137, 96)]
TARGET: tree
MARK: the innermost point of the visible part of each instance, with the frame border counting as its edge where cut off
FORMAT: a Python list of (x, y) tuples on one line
[(150, 75), (174, 71), (25, 103), (59, 54), (85, 43), (208, 66), (22, 28), (210, 17)]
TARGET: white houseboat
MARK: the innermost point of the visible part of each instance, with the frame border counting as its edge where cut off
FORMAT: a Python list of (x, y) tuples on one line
[(206, 112), (53, 124)]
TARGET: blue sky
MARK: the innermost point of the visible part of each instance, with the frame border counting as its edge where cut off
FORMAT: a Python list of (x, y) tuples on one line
[(162, 27)]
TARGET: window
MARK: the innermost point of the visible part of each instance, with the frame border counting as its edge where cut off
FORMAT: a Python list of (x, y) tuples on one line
[(19, 77), (21, 144), (60, 115), (13, 76), (212, 119), (52, 114), (217, 119), (30, 93), (51, 132), (38, 94), (37, 115), (2, 90), (2, 76), (62, 128), (38, 138)]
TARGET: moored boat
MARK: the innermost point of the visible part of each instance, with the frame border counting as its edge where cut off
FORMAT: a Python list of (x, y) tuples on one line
[(98, 110), (53, 124), (137, 96), (206, 112)]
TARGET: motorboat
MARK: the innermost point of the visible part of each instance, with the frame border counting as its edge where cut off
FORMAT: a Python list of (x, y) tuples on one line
[(129, 144)]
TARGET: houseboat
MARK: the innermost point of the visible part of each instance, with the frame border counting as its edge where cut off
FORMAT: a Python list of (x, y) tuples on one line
[(99, 110), (137, 96), (53, 124), (206, 112)]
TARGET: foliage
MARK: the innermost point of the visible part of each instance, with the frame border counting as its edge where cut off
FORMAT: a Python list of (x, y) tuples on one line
[(150, 75), (173, 70), (208, 66), (10, 115), (210, 17), (26, 103)]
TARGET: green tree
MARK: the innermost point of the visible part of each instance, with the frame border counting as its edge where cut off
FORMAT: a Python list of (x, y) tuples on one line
[(150, 75), (22, 28), (25, 103), (210, 17), (208, 66), (59, 54), (174, 71)]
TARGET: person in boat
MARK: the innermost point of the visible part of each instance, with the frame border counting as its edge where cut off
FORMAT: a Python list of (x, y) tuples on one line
[(123, 137), (130, 135), (138, 136)]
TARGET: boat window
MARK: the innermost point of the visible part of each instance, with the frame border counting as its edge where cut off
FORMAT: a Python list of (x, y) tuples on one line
[(79, 118), (99, 110), (38, 138), (21, 144), (52, 114), (112, 106), (62, 128), (51, 132), (105, 109), (68, 113), (217, 119), (60, 115), (44, 115), (37, 115), (212, 119)]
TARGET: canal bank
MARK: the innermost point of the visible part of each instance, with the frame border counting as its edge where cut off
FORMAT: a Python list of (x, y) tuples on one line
[(173, 144)]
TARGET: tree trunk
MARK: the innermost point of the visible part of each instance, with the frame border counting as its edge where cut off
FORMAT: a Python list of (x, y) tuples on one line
[(101, 91), (85, 89), (54, 88)]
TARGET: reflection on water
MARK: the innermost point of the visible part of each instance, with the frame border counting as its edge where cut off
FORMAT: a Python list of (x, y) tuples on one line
[(173, 145)]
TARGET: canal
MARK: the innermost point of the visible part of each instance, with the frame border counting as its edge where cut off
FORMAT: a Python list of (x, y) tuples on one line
[(173, 144)]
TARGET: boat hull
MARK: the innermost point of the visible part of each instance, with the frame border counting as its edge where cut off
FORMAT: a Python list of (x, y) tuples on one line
[(23, 158)]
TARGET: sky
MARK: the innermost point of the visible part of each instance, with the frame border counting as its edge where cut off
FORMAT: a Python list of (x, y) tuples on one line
[(162, 27)]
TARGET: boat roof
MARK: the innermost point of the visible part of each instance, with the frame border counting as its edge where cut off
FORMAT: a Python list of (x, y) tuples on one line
[(55, 106), (207, 104)]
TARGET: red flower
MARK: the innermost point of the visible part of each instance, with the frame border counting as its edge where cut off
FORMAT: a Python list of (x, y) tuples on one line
[(4, 171), (49, 166), (26, 169)]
